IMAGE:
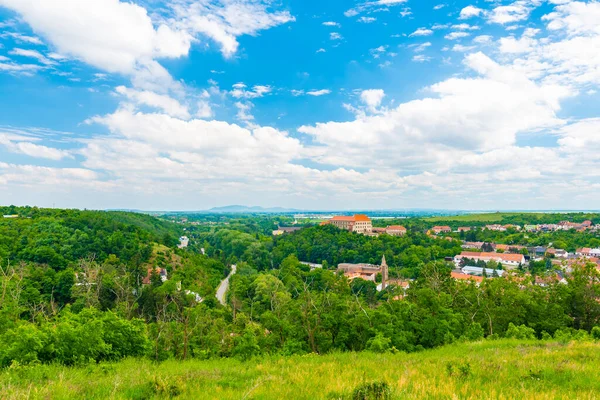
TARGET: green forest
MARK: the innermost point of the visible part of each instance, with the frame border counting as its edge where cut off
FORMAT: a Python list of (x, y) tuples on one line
[(81, 287)]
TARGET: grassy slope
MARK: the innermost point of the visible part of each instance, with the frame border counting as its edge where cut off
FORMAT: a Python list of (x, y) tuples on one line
[(501, 369)]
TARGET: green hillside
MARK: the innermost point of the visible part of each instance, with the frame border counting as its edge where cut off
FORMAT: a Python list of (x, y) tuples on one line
[(504, 369)]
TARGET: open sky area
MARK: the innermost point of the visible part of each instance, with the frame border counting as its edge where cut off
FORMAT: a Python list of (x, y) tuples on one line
[(337, 104)]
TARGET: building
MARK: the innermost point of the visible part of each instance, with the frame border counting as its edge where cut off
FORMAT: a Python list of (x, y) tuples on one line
[(477, 271), (510, 261), (472, 245), (184, 241), (368, 272), (395, 230), (495, 227), (459, 276), (312, 266), (10, 216), (464, 229), (587, 252), (558, 253), (508, 248), (441, 229), (358, 223)]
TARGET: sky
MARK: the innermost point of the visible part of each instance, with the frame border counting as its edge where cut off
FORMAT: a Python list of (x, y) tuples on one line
[(337, 104)]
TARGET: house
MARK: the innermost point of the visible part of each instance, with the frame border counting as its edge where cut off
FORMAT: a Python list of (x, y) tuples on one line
[(472, 245), (439, 229), (160, 271), (459, 276), (184, 241), (463, 229), (537, 251), (278, 232), (507, 248), (312, 266), (495, 227), (358, 223), (477, 271), (395, 230), (531, 228), (510, 261), (588, 252), (558, 253)]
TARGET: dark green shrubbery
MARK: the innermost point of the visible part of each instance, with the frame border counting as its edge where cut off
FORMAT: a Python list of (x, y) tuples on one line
[(372, 391), (90, 336)]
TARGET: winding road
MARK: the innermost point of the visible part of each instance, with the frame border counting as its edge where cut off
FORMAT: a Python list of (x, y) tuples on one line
[(224, 286)]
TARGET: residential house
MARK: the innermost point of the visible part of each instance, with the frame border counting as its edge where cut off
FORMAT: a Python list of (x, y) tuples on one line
[(184, 241), (459, 276), (472, 245), (395, 230), (441, 229), (463, 229), (495, 227)]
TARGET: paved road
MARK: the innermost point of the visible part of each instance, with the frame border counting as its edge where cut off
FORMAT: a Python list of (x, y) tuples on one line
[(224, 286)]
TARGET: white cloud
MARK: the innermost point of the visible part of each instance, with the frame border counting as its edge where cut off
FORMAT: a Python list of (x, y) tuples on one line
[(24, 145), (23, 38), (421, 58), (515, 12), (335, 36), (239, 91), (367, 20), (421, 32), (332, 23), (372, 98), (163, 102), (321, 92), (371, 4), (456, 35), (469, 12), (32, 54)]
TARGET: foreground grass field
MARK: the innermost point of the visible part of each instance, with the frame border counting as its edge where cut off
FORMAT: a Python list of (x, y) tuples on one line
[(494, 369)]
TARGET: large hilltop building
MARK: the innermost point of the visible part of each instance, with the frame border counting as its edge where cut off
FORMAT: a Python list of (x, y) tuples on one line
[(358, 223)]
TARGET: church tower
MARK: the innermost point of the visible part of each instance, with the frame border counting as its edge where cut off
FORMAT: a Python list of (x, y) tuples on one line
[(384, 273)]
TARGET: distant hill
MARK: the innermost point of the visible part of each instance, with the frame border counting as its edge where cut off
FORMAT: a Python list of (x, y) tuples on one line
[(255, 209)]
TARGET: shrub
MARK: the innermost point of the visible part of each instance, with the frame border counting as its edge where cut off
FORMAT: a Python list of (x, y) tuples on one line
[(596, 333), (372, 391), (379, 343), (520, 332), (474, 332), (24, 344)]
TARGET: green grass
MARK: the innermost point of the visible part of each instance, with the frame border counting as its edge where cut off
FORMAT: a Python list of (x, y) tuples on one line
[(490, 369)]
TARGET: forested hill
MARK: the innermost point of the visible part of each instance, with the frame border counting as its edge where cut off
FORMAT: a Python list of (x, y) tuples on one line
[(60, 238)]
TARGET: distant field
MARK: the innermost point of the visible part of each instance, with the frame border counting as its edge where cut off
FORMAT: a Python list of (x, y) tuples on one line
[(488, 217), (490, 369)]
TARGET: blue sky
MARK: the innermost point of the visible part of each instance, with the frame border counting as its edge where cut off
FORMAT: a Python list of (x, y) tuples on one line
[(189, 104)]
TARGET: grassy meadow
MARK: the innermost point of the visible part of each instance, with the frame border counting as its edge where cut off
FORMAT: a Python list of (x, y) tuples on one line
[(505, 369)]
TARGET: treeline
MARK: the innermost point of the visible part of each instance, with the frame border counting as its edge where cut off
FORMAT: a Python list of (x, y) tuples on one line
[(292, 310), (60, 238), (329, 245)]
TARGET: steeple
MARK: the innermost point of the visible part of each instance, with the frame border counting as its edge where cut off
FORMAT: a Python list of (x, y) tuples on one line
[(384, 273)]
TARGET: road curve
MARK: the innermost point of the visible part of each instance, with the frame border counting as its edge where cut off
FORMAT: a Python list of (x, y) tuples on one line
[(224, 286)]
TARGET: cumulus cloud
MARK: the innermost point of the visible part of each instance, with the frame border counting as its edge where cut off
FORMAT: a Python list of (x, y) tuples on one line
[(469, 12)]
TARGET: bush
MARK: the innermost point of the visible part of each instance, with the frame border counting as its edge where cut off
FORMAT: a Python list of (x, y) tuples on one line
[(372, 391), (520, 332), (596, 333), (474, 332), (25, 344), (379, 343)]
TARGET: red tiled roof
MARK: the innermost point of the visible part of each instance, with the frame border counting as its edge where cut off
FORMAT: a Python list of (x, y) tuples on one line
[(396, 228), (354, 218), (502, 256), (465, 277)]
